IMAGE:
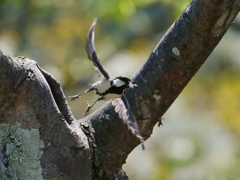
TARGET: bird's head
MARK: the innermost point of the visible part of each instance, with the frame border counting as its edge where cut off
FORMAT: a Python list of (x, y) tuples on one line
[(122, 81)]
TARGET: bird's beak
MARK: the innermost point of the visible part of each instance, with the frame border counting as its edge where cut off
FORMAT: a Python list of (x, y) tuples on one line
[(131, 85)]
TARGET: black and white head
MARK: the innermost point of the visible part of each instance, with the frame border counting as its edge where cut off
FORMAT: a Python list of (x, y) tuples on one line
[(123, 82)]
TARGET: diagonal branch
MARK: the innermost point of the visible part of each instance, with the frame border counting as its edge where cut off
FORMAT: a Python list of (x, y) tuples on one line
[(32, 102), (172, 64)]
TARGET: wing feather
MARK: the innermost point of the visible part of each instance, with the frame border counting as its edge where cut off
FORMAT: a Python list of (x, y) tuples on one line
[(92, 54), (125, 113)]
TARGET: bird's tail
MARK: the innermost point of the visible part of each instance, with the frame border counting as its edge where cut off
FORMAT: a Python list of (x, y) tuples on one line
[(125, 113)]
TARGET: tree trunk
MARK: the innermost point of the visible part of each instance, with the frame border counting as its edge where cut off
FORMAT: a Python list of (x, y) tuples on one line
[(40, 138)]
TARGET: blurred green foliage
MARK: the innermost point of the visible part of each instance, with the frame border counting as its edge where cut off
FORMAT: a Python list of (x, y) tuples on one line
[(53, 33)]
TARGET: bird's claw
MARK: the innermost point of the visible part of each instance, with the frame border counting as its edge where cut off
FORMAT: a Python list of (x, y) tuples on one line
[(71, 98), (87, 110)]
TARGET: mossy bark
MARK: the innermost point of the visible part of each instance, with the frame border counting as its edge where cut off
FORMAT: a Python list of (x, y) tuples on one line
[(39, 133)]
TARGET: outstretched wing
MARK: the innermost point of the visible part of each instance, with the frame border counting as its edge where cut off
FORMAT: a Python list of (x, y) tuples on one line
[(92, 54), (125, 113)]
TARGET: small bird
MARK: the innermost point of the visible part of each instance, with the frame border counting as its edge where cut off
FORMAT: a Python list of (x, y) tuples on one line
[(107, 88), (110, 88)]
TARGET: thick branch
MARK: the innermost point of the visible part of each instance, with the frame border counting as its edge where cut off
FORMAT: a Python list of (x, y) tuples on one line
[(32, 102), (36, 141), (172, 64), (59, 96)]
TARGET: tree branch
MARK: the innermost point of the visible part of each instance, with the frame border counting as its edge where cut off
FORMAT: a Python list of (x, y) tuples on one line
[(36, 141), (59, 96), (172, 64), (33, 107)]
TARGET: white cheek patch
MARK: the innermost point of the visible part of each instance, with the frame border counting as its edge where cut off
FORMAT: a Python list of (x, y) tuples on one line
[(118, 82)]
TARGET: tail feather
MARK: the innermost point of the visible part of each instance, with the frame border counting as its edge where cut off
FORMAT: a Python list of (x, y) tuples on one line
[(125, 113)]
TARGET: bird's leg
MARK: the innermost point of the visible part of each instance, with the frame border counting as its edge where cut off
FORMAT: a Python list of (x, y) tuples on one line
[(90, 106), (71, 98)]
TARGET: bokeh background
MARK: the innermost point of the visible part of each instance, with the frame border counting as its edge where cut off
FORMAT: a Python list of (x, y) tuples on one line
[(200, 136)]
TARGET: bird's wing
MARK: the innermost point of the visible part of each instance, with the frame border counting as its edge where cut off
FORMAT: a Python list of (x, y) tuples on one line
[(92, 54), (125, 113)]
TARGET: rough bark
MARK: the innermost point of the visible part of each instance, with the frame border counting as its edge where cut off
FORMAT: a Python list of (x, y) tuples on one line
[(40, 138)]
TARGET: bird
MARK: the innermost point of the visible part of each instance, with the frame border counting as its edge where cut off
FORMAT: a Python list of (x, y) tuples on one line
[(109, 88)]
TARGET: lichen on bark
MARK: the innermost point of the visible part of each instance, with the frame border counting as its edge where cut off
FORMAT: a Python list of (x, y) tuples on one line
[(20, 152)]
